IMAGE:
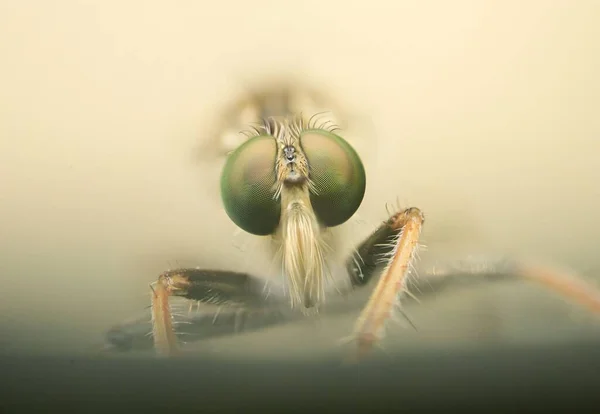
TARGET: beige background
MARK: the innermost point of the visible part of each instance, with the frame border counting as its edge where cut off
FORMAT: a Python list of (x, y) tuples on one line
[(482, 113)]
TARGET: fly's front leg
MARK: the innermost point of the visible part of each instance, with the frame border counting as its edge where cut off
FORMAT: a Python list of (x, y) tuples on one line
[(396, 240), (220, 288)]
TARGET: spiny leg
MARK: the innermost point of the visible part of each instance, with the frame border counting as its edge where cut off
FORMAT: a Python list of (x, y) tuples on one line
[(473, 269), (397, 239), (432, 280), (220, 288), (363, 264)]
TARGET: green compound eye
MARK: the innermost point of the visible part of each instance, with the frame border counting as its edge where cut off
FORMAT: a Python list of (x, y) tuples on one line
[(247, 186), (337, 173)]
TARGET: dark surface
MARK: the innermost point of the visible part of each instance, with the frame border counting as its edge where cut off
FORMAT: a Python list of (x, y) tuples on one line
[(565, 379)]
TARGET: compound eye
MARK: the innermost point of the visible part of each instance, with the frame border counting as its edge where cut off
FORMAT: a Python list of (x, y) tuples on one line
[(337, 173), (247, 186)]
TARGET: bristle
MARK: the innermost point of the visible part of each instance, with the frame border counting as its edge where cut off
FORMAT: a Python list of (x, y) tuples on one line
[(303, 249)]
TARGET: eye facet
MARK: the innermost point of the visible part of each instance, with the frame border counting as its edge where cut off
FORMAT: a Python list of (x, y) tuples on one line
[(247, 186), (337, 173)]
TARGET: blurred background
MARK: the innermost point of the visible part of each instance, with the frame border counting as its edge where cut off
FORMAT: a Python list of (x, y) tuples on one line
[(482, 113)]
